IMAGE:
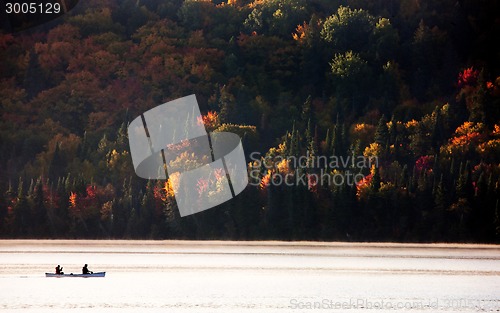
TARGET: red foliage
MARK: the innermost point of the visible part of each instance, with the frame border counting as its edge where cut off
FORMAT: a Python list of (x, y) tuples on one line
[(467, 77), (6, 40), (424, 163), (312, 183), (89, 204), (363, 184), (202, 186)]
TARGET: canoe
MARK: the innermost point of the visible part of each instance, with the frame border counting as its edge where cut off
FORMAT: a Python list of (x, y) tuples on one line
[(97, 274)]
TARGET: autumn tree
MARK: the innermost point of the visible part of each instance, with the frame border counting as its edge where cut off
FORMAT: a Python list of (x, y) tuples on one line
[(348, 30), (276, 17)]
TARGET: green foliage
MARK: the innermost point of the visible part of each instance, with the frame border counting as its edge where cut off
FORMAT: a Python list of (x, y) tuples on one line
[(348, 29), (277, 17), (349, 67), (196, 14), (96, 21)]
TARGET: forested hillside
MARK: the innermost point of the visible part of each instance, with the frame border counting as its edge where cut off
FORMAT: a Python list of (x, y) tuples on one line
[(413, 84)]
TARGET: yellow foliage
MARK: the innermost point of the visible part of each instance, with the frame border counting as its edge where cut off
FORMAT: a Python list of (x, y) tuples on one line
[(491, 146), (256, 3), (106, 210), (171, 184), (411, 124), (363, 132), (363, 127), (282, 166), (374, 150), (281, 148), (386, 186), (113, 158)]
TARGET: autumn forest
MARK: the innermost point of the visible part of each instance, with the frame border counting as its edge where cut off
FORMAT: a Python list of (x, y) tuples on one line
[(414, 84)]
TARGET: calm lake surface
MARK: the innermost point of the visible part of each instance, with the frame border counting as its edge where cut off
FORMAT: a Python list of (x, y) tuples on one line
[(211, 276)]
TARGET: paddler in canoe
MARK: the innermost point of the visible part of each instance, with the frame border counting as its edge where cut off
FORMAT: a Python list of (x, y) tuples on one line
[(85, 270)]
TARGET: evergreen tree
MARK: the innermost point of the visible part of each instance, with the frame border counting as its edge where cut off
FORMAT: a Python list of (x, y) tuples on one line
[(57, 164), (376, 180), (382, 132), (3, 213), (22, 217), (39, 209)]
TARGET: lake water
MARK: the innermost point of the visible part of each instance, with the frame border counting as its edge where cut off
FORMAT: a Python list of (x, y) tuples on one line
[(263, 277)]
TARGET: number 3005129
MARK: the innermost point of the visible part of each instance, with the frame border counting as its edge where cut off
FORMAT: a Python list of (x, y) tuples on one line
[(32, 7)]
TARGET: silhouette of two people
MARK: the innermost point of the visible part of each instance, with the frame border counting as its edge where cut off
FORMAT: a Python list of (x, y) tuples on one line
[(85, 270)]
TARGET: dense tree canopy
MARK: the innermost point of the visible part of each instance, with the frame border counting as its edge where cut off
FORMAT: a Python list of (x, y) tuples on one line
[(411, 86)]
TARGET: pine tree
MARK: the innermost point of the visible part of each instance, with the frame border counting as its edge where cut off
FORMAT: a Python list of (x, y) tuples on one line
[(122, 138), (3, 214), (382, 132), (57, 164), (337, 144), (376, 180), (132, 225), (22, 216), (306, 110), (404, 179), (437, 135), (39, 209), (440, 199), (327, 142), (82, 149), (465, 188)]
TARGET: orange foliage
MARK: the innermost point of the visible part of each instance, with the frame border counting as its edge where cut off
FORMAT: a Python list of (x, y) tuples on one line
[(363, 185), (210, 120), (465, 140), (72, 200), (171, 184), (467, 136), (265, 181), (468, 128), (496, 130), (411, 125), (300, 32)]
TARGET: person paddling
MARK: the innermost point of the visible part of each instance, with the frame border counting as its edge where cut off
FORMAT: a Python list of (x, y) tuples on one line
[(59, 270), (85, 270)]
